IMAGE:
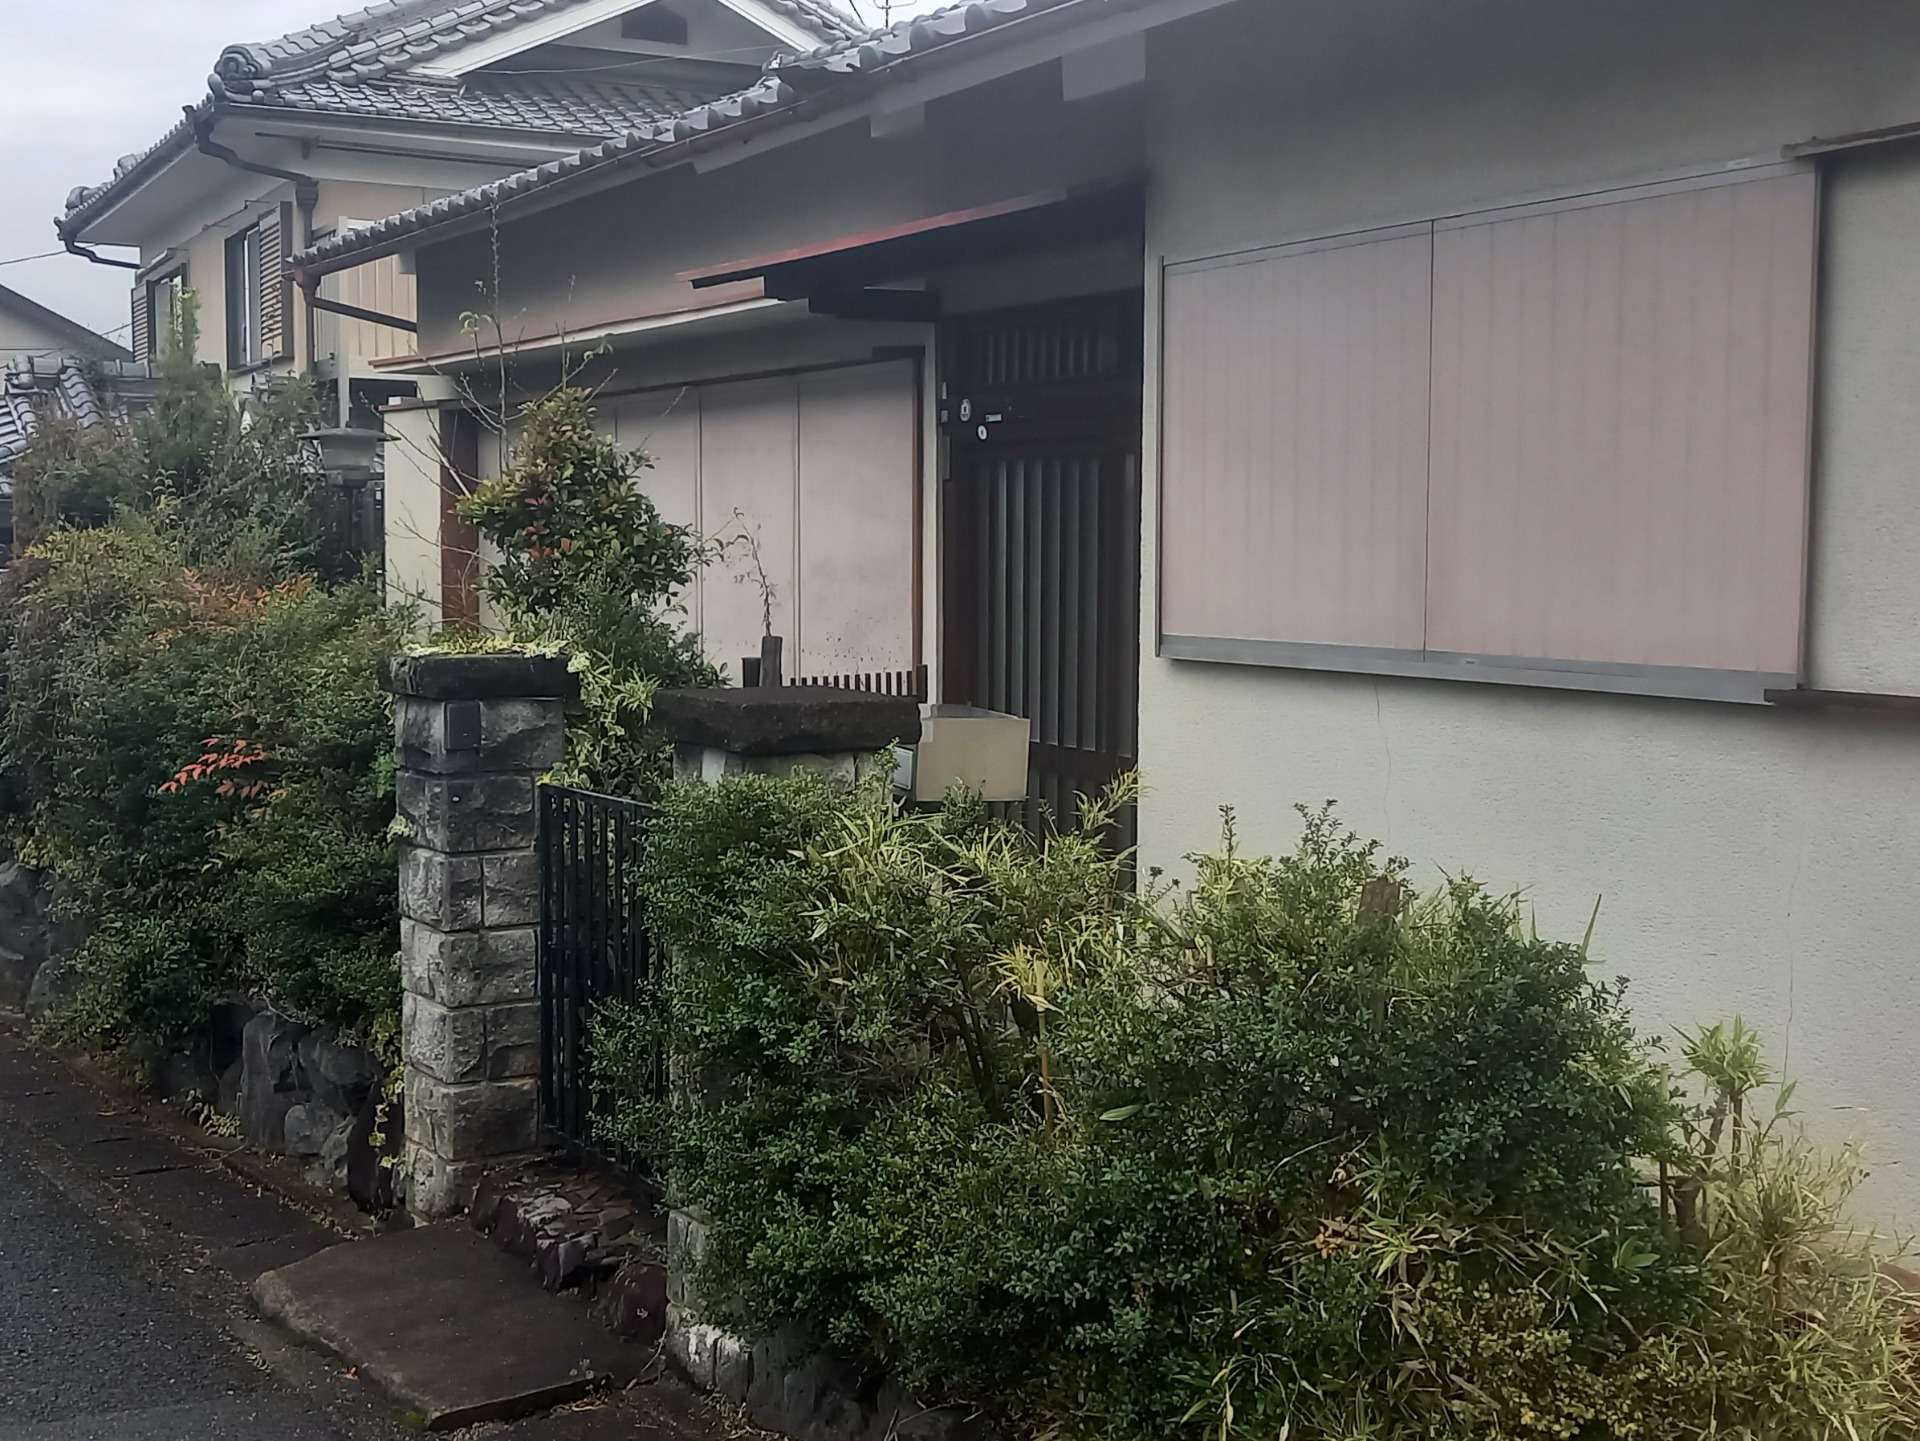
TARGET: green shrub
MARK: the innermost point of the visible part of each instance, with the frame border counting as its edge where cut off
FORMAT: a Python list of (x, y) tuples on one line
[(232, 471), (586, 565), (1282, 1154), (206, 763)]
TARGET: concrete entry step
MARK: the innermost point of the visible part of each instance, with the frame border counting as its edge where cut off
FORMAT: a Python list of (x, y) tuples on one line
[(456, 1331)]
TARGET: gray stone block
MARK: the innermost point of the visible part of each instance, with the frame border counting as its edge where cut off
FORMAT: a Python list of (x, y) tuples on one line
[(510, 889), (53, 988), (441, 890), (732, 1367), (376, 1150), (464, 814), (686, 1243), (269, 1078), (475, 1043), (773, 1357), (309, 1125), (469, 968), (330, 1169), (521, 734), (336, 1074), (481, 675), (448, 1044), (438, 1187), (471, 1122), (513, 1042)]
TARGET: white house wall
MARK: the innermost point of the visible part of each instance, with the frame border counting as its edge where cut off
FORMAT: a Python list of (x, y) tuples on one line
[(1750, 861), (412, 502)]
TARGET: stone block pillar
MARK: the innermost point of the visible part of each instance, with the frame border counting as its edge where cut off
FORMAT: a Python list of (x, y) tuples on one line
[(472, 735), (754, 731)]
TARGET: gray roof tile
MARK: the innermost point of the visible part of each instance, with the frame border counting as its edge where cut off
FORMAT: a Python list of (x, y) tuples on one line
[(551, 104), (323, 66), (37, 390), (832, 63)]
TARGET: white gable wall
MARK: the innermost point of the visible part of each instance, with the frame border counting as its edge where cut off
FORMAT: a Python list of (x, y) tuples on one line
[(1750, 860)]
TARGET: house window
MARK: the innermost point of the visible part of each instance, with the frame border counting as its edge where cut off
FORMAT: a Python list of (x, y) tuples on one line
[(164, 296), (655, 23), (244, 346), (1561, 444)]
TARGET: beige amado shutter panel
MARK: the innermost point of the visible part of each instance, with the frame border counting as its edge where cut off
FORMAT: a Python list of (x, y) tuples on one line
[(276, 283), (1560, 444), (1294, 451), (1621, 411)]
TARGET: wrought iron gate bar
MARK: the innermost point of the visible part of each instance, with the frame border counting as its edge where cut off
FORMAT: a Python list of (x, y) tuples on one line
[(594, 947)]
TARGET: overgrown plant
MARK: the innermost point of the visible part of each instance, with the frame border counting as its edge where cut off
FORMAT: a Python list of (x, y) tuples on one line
[(194, 738), (1285, 1153), (587, 565), (234, 472)]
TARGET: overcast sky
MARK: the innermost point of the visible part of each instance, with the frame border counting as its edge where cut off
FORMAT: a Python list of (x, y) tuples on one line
[(84, 82)]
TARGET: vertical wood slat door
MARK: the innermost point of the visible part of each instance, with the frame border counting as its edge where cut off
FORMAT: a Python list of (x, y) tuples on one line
[(1041, 409)]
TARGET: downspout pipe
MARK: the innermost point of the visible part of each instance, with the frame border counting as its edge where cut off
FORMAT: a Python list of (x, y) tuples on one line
[(74, 247), (306, 190)]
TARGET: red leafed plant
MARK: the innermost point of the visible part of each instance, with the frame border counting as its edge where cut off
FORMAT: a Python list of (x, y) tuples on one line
[(224, 760)]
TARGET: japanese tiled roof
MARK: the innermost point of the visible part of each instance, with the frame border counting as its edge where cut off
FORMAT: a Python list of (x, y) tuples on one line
[(787, 84), (36, 391), (396, 35), (363, 64), (583, 107)]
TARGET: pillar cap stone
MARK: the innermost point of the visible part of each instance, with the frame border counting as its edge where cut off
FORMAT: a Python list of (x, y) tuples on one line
[(482, 675), (786, 720)]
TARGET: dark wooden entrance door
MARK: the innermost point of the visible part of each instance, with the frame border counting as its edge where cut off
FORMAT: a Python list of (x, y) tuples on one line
[(1040, 409)]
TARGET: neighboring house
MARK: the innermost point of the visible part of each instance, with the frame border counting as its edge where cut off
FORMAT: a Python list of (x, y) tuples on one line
[(30, 330), (54, 369), (304, 137), (1499, 417), (37, 391)]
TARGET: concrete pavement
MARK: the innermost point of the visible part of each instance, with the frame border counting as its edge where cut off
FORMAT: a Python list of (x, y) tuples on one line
[(126, 1251), (94, 1343)]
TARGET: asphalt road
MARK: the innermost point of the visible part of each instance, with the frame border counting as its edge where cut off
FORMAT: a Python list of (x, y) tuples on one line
[(127, 1247), (91, 1346)]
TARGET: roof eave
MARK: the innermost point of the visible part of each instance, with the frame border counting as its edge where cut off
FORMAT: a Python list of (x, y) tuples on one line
[(848, 91), (566, 141), (73, 226)]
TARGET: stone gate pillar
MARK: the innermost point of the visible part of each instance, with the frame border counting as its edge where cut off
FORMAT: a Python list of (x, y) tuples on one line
[(718, 733), (472, 735)]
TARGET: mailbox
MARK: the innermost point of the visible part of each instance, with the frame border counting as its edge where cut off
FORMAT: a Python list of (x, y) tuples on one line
[(982, 750)]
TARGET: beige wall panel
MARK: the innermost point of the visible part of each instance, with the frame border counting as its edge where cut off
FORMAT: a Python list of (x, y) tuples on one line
[(857, 483)]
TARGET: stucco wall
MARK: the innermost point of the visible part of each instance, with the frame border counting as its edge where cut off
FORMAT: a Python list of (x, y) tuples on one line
[(24, 335), (625, 250), (413, 510), (1750, 861)]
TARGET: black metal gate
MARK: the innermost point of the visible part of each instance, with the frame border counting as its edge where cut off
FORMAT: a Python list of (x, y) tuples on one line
[(594, 947)]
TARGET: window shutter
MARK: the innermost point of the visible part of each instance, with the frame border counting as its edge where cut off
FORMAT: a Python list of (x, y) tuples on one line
[(142, 337), (276, 284)]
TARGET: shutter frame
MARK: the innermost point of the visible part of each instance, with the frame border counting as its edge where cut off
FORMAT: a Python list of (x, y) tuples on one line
[(276, 283), (141, 339)]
